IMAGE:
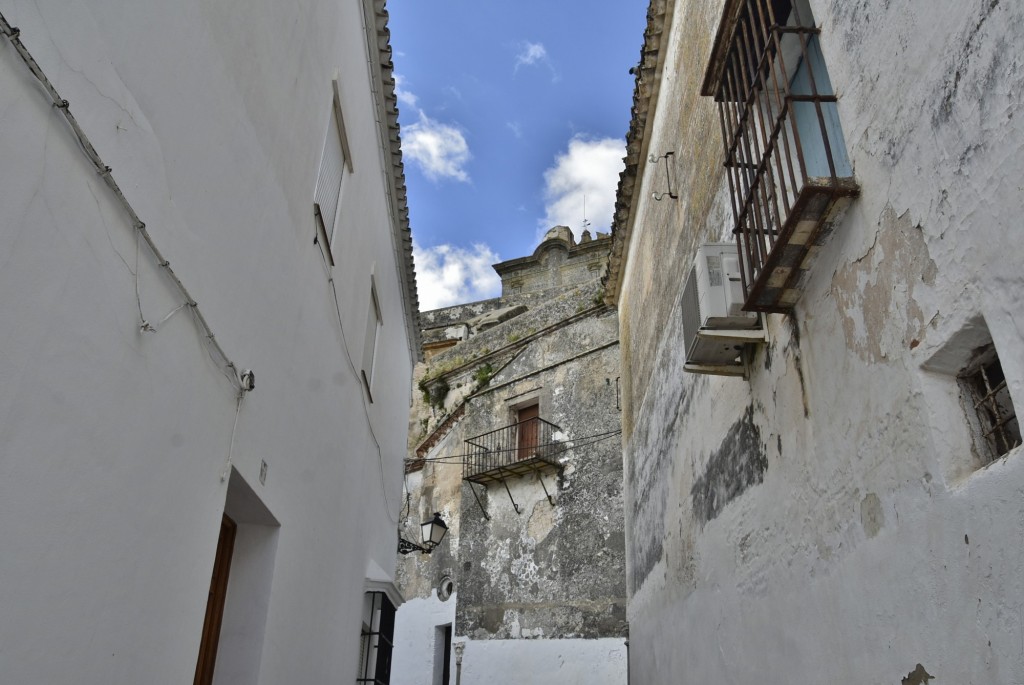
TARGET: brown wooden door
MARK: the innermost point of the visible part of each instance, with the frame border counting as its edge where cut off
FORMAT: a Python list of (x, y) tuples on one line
[(215, 603), (528, 431)]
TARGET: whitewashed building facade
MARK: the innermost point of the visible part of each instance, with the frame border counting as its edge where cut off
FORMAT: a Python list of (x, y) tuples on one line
[(836, 492), (208, 311)]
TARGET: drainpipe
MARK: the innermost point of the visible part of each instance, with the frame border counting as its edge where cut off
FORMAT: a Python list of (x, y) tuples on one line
[(459, 646)]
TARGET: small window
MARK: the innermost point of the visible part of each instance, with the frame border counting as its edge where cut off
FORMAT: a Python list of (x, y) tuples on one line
[(374, 322), (445, 588), (334, 161), (989, 405)]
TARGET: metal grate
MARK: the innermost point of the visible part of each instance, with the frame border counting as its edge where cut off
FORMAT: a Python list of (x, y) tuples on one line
[(377, 641), (784, 153), (990, 397)]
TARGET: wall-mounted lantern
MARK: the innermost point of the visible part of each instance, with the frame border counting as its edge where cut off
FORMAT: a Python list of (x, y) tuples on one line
[(432, 532)]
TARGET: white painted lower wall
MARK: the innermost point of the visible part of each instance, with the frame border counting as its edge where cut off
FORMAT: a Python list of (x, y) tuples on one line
[(419, 650), (544, 662)]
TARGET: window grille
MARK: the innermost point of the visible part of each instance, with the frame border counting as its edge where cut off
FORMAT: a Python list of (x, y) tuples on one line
[(377, 641), (989, 396), (785, 156)]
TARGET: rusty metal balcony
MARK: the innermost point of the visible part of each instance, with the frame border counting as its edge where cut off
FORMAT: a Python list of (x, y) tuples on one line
[(515, 450), (788, 171)]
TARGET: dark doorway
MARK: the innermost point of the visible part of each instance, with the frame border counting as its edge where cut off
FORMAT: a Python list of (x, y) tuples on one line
[(527, 419), (215, 603)]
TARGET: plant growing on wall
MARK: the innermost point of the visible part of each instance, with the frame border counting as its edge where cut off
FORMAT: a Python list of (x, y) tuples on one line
[(483, 374), (434, 392)]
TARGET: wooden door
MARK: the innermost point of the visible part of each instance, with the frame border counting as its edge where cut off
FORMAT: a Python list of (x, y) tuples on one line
[(528, 431), (215, 603)]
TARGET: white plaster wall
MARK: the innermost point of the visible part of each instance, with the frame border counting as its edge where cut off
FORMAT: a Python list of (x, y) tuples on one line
[(874, 543), (545, 662), (416, 658), (112, 442)]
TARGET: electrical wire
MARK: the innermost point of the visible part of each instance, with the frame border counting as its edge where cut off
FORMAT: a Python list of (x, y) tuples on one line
[(462, 459), (231, 445), (213, 347)]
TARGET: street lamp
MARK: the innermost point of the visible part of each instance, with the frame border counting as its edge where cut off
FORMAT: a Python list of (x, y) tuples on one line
[(432, 532)]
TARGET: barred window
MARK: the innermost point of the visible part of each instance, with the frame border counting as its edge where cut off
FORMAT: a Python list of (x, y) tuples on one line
[(377, 641), (990, 406), (785, 155)]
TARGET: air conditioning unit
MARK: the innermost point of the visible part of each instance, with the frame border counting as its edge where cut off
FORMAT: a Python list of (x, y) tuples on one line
[(715, 327)]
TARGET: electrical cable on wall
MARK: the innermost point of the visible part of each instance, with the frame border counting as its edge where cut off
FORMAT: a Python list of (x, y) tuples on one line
[(231, 445), (214, 349), (460, 459)]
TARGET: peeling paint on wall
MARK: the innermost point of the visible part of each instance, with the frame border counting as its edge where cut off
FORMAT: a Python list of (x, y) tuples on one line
[(919, 676), (870, 289)]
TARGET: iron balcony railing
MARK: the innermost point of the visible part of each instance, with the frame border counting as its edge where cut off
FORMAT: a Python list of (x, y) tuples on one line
[(516, 449)]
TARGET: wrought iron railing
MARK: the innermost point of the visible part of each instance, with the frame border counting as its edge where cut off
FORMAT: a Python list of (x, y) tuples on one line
[(784, 150), (512, 450)]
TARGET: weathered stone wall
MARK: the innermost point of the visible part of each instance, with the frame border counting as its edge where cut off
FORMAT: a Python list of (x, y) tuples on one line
[(553, 571), (514, 333), (458, 313), (556, 264), (545, 587), (828, 516)]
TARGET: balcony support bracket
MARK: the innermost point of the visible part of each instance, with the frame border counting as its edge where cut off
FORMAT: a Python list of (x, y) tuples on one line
[(478, 502), (551, 499), (501, 475)]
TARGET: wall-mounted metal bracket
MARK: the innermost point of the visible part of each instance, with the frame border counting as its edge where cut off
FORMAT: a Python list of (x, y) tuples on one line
[(478, 502), (668, 175), (551, 499), (501, 475)]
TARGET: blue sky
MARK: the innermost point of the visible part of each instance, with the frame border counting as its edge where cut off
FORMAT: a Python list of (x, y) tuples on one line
[(511, 112)]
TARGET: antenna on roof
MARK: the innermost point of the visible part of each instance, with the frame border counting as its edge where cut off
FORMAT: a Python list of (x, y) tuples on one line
[(586, 224)]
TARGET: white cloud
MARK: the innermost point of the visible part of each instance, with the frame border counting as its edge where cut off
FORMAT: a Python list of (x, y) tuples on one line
[(515, 127), (448, 274), (588, 168), (404, 96), (439, 149), (530, 54)]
